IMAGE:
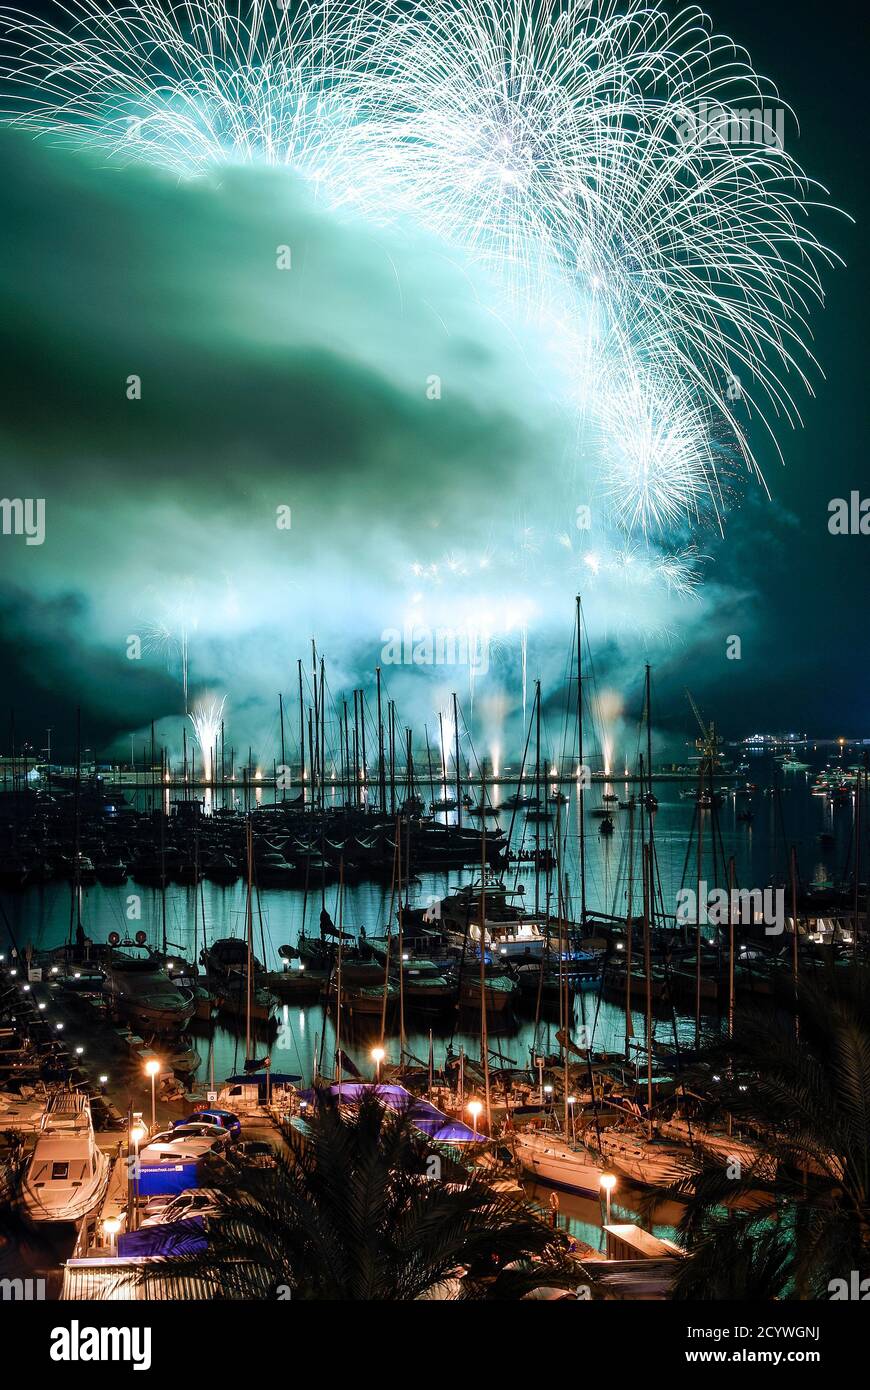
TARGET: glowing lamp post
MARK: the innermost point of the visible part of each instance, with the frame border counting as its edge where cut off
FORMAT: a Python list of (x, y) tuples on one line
[(111, 1227), (474, 1108), (607, 1181), (137, 1133), (378, 1055), (152, 1067)]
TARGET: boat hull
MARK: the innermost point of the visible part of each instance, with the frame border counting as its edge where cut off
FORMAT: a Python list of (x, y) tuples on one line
[(549, 1159)]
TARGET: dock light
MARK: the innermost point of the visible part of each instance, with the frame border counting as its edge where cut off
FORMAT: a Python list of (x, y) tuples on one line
[(40, 1006), (377, 1055), (607, 1183), (548, 1090), (79, 1051), (111, 1227), (13, 973), (152, 1067), (54, 969), (59, 1027), (137, 1134), (26, 989), (104, 1080), (474, 1108), (77, 975)]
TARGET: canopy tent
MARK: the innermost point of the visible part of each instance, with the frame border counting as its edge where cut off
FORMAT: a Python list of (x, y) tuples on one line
[(425, 1117)]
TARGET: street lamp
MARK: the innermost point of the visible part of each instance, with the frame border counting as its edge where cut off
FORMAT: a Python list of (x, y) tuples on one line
[(111, 1227), (378, 1055), (138, 1132), (474, 1108), (571, 1100), (152, 1067), (608, 1182)]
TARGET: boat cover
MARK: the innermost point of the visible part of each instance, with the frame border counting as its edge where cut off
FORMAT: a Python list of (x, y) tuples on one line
[(185, 1237), (427, 1118)]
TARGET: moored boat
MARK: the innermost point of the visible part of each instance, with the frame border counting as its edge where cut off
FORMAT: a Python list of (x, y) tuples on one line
[(67, 1173)]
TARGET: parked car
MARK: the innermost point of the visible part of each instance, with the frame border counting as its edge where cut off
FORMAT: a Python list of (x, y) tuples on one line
[(199, 1201), (224, 1119), (185, 1143), (255, 1153)]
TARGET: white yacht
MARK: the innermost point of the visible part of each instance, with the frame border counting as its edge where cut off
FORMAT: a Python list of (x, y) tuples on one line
[(550, 1157), (67, 1174), (726, 1147), (651, 1162)]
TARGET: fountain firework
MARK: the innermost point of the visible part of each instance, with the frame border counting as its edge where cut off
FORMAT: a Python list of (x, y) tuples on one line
[(207, 718)]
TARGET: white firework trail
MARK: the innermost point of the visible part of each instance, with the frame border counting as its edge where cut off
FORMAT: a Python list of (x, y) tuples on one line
[(548, 140), (206, 719)]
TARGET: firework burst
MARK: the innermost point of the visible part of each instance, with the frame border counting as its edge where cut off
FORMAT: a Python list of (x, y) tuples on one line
[(551, 141)]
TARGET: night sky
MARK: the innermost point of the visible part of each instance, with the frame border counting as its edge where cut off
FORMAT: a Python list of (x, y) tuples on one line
[(307, 389)]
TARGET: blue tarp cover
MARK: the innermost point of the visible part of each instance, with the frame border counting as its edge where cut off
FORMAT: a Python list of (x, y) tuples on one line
[(185, 1237), (158, 1179)]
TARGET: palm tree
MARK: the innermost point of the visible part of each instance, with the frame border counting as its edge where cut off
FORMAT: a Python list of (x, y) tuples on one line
[(797, 1077), (358, 1209)]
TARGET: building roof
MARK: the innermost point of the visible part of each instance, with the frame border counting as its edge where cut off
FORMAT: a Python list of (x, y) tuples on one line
[(146, 1281)]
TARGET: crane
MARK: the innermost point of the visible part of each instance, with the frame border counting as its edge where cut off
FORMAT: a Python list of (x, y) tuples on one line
[(709, 743)]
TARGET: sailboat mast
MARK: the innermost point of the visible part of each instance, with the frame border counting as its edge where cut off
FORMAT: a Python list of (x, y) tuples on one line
[(401, 944), (649, 766), (283, 758), (456, 757), (382, 772), (362, 730), (647, 880), (564, 1001), (538, 807), (301, 732), (484, 1033), (338, 1058), (582, 827), (629, 930), (250, 938)]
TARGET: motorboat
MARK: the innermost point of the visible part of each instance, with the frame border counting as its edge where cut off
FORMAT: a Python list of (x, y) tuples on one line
[(67, 1174), (139, 991)]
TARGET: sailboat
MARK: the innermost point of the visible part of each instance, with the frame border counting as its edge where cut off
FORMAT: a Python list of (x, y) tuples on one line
[(549, 1156)]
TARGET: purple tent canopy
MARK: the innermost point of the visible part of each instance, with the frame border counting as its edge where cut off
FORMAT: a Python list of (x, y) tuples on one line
[(425, 1117)]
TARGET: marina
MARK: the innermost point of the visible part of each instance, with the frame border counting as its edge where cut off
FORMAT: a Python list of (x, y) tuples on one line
[(435, 757), (270, 961)]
